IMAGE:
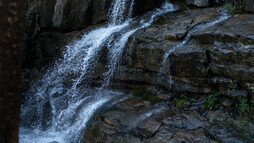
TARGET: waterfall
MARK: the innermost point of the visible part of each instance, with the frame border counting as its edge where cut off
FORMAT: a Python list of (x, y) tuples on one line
[(119, 13), (58, 107)]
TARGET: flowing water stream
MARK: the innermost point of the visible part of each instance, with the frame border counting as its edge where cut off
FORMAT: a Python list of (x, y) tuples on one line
[(58, 107)]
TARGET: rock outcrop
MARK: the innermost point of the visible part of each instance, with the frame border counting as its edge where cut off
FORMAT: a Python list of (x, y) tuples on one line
[(215, 59), (137, 121), (47, 22)]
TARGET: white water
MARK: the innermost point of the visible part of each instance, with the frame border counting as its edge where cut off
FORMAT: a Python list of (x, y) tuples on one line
[(60, 105)]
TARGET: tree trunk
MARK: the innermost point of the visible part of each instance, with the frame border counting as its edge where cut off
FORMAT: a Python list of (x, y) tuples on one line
[(12, 19)]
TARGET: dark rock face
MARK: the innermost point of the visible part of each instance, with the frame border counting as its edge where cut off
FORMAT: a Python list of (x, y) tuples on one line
[(249, 5), (137, 121), (142, 6), (47, 19), (215, 59), (70, 15)]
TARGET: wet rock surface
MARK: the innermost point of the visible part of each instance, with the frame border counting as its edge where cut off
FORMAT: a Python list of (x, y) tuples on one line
[(137, 121), (218, 58)]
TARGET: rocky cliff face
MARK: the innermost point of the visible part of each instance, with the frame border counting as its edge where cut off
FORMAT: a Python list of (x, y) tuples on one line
[(215, 59), (71, 15), (47, 22)]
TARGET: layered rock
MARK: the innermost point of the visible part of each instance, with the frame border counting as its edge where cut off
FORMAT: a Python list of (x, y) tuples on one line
[(137, 121), (216, 59)]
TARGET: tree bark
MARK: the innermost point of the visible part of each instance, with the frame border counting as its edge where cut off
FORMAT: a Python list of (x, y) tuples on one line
[(12, 19)]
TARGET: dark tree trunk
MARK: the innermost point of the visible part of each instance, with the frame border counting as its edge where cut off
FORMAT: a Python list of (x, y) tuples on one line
[(12, 16)]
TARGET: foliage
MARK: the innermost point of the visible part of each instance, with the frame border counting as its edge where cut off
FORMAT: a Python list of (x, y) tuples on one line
[(232, 85), (179, 103), (211, 102), (146, 96), (233, 8), (243, 107), (244, 122), (180, 100)]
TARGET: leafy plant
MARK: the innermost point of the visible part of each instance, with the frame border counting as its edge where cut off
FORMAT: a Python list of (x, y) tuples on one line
[(232, 85), (233, 8), (180, 103), (211, 102), (180, 100), (244, 107)]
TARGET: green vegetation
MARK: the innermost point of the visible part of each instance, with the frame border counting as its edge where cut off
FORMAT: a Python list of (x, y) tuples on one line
[(244, 120), (180, 100), (233, 8), (232, 85), (146, 96), (211, 102)]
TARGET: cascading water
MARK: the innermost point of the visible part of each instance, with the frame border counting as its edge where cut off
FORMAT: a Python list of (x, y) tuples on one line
[(223, 17), (58, 107)]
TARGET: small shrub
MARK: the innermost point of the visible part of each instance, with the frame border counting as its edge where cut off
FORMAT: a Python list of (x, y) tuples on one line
[(233, 9), (232, 85), (180, 100), (211, 102), (244, 107), (179, 103)]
